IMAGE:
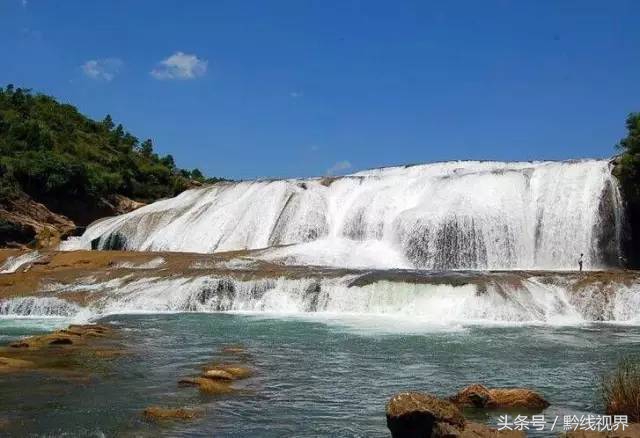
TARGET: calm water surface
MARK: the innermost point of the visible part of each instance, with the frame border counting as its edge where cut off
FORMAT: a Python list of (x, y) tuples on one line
[(327, 376)]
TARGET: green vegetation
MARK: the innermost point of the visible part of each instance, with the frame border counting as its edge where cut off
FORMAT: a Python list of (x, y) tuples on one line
[(629, 166), (621, 390), (627, 171), (49, 150)]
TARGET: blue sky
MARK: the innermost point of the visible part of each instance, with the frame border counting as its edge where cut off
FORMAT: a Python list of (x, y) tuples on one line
[(246, 89)]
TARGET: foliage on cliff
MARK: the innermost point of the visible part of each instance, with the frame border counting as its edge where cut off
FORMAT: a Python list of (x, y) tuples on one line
[(627, 170), (49, 150)]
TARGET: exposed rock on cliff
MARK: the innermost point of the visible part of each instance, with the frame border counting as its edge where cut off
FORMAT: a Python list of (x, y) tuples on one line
[(24, 221)]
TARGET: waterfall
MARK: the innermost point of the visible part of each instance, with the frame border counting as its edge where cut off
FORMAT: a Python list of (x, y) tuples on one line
[(439, 298), (442, 216)]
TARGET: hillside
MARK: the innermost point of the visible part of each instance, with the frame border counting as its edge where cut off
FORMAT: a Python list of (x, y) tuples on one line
[(60, 170)]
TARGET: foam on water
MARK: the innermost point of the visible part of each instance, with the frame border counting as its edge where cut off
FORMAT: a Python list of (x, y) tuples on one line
[(455, 215), (12, 264), (479, 300)]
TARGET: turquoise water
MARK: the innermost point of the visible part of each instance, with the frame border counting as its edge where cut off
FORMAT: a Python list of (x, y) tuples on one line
[(328, 376)]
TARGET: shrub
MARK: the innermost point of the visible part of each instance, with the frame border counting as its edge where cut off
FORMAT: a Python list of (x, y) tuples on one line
[(621, 390)]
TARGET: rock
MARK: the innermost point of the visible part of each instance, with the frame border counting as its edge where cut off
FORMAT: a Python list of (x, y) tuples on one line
[(236, 372), (418, 415), (208, 386), (61, 341), (27, 219), (74, 334), (413, 414), (8, 364), (479, 396), (157, 413), (218, 375)]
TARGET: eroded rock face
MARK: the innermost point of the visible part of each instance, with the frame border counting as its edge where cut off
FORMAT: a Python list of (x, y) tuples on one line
[(479, 396), (418, 415)]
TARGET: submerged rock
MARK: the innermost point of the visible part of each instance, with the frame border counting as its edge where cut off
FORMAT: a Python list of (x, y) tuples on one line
[(78, 348), (209, 386), (157, 413), (234, 349), (74, 334), (479, 396), (232, 371)]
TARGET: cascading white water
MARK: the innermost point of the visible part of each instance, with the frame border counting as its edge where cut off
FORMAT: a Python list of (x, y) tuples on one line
[(38, 306), (486, 299), (454, 215), (14, 263)]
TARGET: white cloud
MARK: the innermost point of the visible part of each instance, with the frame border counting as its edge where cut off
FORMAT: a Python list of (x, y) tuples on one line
[(180, 66), (339, 167), (24, 3), (296, 94), (102, 69)]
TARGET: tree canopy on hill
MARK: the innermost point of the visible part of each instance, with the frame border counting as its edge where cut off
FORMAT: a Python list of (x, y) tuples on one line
[(49, 149), (627, 170)]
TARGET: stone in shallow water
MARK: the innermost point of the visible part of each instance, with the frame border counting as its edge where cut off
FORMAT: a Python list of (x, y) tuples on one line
[(235, 371), (208, 386), (414, 414), (157, 413), (418, 415), (216, 374), (479, 396)]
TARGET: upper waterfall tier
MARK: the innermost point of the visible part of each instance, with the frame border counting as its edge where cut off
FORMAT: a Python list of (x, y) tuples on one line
[(454, 215)]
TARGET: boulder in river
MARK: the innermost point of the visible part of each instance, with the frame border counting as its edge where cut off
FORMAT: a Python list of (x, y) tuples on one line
[(208, 386), (232, 371), (414, 414), (157, 413), (479, 396), (419, 415)]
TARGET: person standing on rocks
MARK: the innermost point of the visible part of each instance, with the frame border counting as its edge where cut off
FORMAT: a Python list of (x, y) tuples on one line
[(580, 261)]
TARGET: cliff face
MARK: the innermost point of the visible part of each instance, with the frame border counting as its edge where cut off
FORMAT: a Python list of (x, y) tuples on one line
[(631, 228), (25, 222)]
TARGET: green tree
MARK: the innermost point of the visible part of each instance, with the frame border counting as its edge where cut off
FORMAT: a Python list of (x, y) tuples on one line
[(628, 169), (197, 175), (107, 122), (146, 148)]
